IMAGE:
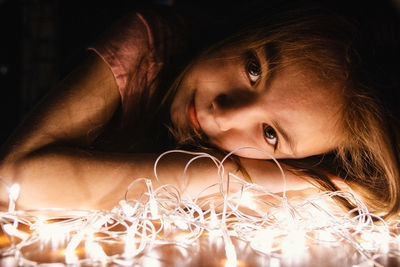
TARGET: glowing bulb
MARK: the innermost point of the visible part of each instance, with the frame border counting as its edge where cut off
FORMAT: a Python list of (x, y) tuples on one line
[(375, 241), (293, 246), (95, 251), (70, 256), (274, 262), (57, 234), (366, 263), (13, 195), (213, 217), (247, 200), (130, 241), (229, 251), (14, 191), (263, 240), (96, 222), (153, 208), (13, 231), (181, 224), (325, 235), (127, 209), (152, 201), (230, 255), (281, 233)]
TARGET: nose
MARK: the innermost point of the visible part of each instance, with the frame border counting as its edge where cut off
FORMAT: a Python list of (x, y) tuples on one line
[(234, 110)]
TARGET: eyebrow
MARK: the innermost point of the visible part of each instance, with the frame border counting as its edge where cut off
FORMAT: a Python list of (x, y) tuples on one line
[(288, 139), (262, 57)]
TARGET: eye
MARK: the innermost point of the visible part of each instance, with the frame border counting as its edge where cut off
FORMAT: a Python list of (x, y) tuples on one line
[(253, 68), (270, 135)]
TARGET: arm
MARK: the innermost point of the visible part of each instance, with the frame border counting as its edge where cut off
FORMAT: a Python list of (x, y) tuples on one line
[(48, 154), (71, 115)]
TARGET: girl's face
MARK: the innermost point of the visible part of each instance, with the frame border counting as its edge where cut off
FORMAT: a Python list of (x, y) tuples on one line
[(235, 102)]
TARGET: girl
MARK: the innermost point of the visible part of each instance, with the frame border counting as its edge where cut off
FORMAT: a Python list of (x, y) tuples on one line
[(287, 83)]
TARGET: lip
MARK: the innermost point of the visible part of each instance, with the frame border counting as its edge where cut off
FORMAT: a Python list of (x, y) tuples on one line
[(193, 115)]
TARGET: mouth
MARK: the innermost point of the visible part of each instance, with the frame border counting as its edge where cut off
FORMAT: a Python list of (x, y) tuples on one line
[(193, 115)]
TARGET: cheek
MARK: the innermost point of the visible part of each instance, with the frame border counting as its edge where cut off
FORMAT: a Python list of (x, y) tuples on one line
[(205, 70), (230, 141), (244, 148), (215, 70)]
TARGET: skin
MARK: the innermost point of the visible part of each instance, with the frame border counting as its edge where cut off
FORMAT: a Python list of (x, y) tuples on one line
[(302, 111), (50, 155)]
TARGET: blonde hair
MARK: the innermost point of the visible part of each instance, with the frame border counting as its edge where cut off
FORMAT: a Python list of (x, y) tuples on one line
[(324, 43), (370, 154)]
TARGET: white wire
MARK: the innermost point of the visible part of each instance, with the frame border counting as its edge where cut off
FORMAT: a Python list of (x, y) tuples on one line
[(162, 216)]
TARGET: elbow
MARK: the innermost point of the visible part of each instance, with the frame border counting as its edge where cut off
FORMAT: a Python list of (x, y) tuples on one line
[(16, 160), (10, 167), (13, 165)]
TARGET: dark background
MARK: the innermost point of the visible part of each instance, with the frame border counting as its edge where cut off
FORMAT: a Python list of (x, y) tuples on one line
[(42, 40)]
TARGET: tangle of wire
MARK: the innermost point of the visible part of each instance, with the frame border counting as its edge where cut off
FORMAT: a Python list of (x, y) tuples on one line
[(270, 223)]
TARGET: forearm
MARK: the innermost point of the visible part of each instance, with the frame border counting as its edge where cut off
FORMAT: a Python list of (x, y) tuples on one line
[(75, 178), (268, 174)]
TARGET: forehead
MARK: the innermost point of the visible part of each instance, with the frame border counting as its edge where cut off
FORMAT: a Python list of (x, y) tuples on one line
[(305, 86), (307, 107)]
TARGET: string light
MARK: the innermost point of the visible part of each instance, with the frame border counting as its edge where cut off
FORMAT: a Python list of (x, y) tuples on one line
[(284, 231)]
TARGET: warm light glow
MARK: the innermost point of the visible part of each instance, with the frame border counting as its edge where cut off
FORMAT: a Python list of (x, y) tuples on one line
[(70, 255), (13, 231), (283, 230), (14, 192), (53, 233), (230, 255), (293, 245), (94, 251), (13, 196), (248, 201)]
